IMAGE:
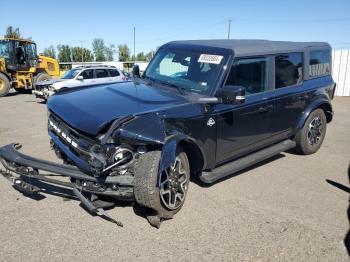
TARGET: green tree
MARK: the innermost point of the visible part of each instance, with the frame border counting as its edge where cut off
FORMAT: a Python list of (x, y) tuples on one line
[(124, 53), (81, 54), (50, 52), (11, 32), (109, 52), (141, 57), (64, 53), (149, 56), (98, 46)]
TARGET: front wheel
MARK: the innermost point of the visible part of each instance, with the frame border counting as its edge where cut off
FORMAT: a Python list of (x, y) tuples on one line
[(164, 192), (309, 139), (5, 85)]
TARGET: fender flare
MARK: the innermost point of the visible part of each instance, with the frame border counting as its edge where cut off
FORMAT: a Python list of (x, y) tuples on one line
[(320, 103), (169, 150)]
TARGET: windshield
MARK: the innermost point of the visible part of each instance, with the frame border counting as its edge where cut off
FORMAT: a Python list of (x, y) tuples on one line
[(190, 70), (5, 49), (71, 74)]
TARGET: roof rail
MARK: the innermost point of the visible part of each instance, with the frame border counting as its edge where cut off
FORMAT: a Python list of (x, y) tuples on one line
[(89, 66)]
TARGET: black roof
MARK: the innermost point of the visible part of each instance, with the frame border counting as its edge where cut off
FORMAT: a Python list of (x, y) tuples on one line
[(252, 47)]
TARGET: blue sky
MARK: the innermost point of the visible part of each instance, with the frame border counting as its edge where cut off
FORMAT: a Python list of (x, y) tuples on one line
[(157, 22)]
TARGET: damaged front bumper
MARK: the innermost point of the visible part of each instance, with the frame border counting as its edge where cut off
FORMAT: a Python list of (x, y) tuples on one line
[(119, 187), (43, 93)]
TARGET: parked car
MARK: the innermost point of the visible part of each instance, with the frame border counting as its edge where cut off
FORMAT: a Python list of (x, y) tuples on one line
[(79, 77), (205, 108)]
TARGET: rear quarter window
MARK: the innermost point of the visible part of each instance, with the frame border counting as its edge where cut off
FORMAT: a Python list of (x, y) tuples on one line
[(319, 63)]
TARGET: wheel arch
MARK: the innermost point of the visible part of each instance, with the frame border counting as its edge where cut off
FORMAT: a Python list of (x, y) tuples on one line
[(6, 75), (194, 154), (193, 151), (319, 104)]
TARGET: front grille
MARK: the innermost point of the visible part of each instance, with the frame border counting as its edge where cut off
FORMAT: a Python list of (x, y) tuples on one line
[(77, 143)]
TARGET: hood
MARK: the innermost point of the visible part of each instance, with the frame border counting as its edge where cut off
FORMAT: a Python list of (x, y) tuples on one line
[(50, 81), (91, 109)]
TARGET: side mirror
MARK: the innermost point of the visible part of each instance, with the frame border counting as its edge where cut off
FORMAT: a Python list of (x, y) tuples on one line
[(232, 94), (136, 71), (80, 78)]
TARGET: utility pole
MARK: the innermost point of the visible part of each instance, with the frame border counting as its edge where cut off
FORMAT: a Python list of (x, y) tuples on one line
[(134, 47), (229, 28)]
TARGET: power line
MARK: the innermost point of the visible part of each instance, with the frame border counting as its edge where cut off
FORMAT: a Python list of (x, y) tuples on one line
[(183, 33), (248, 20)]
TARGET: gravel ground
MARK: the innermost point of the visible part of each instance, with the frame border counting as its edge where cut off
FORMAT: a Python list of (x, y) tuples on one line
[(281, 210)]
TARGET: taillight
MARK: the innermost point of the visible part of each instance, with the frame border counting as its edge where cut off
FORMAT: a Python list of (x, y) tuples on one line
[(124, 78)]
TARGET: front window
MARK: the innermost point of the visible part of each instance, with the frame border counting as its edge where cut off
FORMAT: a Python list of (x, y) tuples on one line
[(250, 73), (190, 70), (71, 74)]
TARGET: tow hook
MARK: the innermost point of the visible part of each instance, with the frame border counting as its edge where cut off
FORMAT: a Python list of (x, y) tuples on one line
[(24, 187)]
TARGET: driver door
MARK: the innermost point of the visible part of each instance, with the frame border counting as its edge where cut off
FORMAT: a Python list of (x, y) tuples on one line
[(88, 77), (245, 127)]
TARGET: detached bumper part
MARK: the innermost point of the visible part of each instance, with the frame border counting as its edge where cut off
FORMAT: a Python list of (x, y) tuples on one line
[(27, 166)]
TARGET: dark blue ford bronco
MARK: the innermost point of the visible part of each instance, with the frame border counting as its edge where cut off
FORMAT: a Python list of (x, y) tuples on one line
[(205, 108)]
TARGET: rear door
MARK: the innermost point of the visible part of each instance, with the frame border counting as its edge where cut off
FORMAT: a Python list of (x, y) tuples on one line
[(290, 93), (246, 127), (101, 76)]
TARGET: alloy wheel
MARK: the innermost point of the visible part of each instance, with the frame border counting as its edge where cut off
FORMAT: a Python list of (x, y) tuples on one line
[(315, 131), (173, 185)]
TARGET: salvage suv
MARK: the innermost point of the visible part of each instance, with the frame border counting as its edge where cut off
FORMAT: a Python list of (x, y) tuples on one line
[(205, 108), (80, 76)]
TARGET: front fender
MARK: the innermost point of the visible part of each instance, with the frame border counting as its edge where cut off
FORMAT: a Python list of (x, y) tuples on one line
[(319, 103)]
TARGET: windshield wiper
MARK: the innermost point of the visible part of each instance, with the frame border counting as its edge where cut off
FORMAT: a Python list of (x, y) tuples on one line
[(179, 88), (154, 80)]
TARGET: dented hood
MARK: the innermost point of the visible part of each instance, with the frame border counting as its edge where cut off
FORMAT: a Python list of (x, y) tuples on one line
[(91, 109)]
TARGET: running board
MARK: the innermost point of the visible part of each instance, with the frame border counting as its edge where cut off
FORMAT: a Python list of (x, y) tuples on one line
[(230, 168)]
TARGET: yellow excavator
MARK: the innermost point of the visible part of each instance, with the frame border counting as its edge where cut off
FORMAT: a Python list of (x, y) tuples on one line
[(21, 67)]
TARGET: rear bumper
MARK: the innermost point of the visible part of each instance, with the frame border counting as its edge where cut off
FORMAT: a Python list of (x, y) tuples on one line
[(120, 187)]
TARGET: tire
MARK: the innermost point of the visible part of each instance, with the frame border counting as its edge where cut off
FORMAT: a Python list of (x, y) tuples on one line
[(40, 77), (309, 139), (5, 85), (150, 187)]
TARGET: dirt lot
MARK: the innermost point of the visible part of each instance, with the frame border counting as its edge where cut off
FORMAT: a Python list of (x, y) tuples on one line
[(281, 210)]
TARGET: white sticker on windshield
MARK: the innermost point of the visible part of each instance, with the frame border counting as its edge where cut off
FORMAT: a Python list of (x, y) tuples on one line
[(210, 59)]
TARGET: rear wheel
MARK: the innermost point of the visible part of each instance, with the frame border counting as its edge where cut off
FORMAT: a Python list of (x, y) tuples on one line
[(164, 192), (4, 85), (309, 139)]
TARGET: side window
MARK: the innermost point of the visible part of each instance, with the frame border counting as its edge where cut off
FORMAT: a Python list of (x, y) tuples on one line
[(320, 63), (87, 74), (101, 73), (288, 69), (114, 72), (250, 73)]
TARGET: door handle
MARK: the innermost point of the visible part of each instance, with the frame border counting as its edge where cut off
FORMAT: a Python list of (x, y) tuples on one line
[(265, 109)]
